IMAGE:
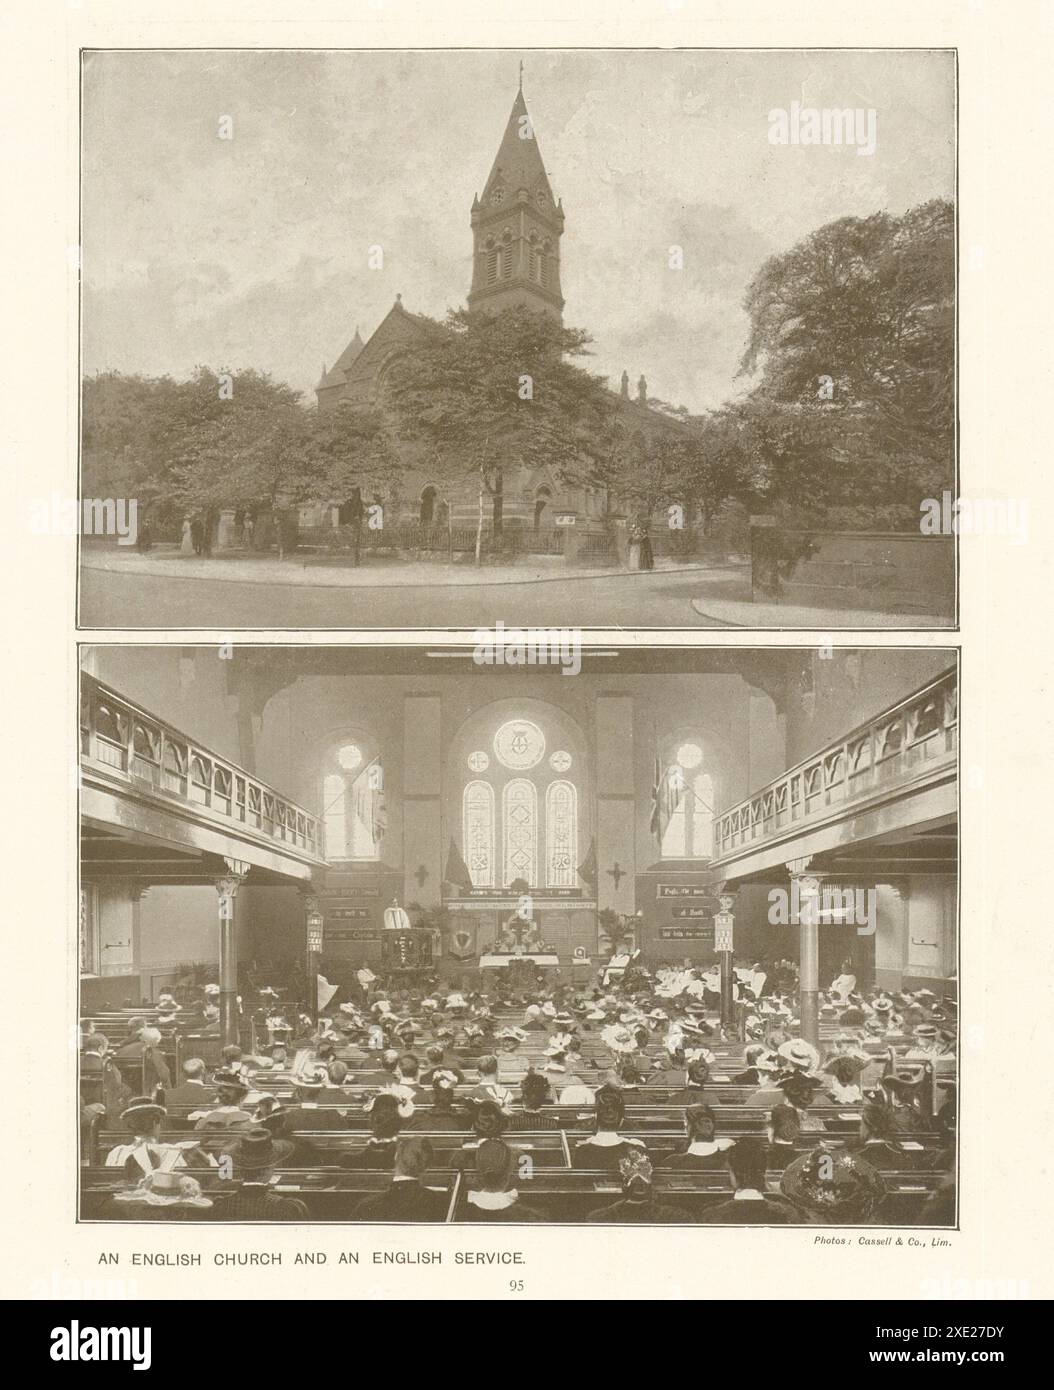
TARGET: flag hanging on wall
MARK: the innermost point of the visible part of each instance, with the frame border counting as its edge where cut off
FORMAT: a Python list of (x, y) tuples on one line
[(587, 870), (666, 793), (456, 871)]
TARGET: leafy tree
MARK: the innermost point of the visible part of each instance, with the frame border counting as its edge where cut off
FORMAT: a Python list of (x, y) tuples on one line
[(486, 392), (255, 453), (356, 455), (852, 342)]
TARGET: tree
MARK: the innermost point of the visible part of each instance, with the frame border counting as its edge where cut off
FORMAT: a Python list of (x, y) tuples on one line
[(356, 453), (254, 453), (484, 392), (852, 343)]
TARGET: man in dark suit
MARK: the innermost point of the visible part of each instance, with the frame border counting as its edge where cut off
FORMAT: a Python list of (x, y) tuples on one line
[(407, 1199), (193, 1090)]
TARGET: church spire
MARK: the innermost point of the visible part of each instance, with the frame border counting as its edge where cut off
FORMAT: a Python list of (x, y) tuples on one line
[(517, 224)]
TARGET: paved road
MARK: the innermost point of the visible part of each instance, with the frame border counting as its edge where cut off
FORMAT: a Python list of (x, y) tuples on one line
[(136, 600)]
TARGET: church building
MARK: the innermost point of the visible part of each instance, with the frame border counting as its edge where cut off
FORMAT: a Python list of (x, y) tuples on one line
[(517, 231)]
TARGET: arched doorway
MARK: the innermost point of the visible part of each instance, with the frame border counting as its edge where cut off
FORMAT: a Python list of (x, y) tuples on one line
[(428, 506), (541, 503)]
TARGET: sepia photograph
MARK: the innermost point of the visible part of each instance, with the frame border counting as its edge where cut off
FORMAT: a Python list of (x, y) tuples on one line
[(403, 339), (520, 932)]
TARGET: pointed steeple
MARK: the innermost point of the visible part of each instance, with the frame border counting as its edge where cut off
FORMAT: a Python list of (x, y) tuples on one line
[(518, 164), (517, 225)]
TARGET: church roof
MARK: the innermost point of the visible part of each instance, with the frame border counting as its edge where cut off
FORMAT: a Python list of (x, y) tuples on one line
[(518, 163), (337, 373)]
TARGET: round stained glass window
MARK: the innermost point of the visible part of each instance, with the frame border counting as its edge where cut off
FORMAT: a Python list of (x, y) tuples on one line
[(349, 757), (689, 755), (560, 761), (478, 761), (519, 744)]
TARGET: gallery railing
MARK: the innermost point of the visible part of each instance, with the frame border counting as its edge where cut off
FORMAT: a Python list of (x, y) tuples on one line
[(919, 733), (157, 758)]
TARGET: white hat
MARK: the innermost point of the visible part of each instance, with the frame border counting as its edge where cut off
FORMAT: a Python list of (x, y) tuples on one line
[(801, 1054)]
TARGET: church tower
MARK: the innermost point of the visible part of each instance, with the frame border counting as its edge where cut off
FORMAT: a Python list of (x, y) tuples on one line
[(516, 227)]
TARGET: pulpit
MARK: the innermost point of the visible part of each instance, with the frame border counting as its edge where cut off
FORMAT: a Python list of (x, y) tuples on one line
[(407, 948)]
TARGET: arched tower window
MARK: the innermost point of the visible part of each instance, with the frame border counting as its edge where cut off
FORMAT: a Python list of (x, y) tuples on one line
[(354, 809)]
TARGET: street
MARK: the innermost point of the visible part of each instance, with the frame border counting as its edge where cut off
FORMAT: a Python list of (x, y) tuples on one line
[(146, 601)]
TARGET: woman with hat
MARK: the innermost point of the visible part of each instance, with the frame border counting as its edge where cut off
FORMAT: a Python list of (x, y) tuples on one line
[(606, 1145), (162, 1195), (705, 1152), (489, 1087), (255, 1157), (761, 1065), (442, 1115), (387, 1114), (228, 1113), (842, 1078), (535, 1094), (834, 1185), (144, 1152)]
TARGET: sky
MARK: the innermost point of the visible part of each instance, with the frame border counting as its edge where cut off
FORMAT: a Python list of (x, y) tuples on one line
[(253, 251)]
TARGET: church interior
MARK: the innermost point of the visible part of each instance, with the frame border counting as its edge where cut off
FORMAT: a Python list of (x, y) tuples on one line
[(673, 939)]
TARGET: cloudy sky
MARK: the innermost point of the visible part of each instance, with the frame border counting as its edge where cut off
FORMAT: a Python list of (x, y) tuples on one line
[(252, 251)]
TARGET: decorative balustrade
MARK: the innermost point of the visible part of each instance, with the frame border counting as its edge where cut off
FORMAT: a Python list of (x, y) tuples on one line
[(918, 733), (157, 758)]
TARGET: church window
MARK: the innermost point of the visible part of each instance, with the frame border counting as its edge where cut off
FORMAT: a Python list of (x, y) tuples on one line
[(478, 833), (519, 811), (493, 264), (689, 832), (561, 835), (354, 809), (519, 745), (521, 831)]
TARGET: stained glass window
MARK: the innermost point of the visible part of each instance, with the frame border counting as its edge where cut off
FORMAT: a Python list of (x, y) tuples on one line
[(561, 835), (521, 832), (519, 745), (478, 832)]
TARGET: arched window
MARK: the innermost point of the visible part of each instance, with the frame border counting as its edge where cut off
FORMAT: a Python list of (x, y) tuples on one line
[(689, 793), (478, 833), (520, 817), (520, 808), (561, 835), (354, 810)]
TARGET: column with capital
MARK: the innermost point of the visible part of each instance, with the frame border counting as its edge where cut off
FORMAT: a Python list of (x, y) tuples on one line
[(227, 890), (805, 889)]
